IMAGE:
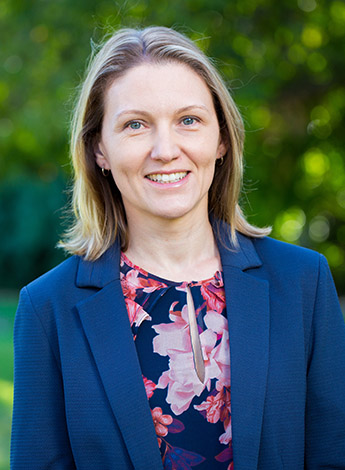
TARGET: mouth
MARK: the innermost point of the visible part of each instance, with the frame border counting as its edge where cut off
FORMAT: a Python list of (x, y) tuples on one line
[(165, 178)]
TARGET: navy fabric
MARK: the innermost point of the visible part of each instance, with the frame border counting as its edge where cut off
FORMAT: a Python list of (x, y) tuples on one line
[(78, 384)]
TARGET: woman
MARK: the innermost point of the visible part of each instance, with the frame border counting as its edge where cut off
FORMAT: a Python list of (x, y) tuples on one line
[(122, 353)]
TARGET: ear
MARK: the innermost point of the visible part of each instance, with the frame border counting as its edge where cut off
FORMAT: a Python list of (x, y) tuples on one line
[(101, 160), (222, 148)]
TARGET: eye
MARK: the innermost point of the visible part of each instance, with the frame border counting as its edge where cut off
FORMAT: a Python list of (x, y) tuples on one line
[(135, 125), (188, 121)]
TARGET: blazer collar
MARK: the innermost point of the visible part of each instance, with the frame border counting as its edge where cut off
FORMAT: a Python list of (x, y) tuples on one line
[(101, 272), (104, 270)]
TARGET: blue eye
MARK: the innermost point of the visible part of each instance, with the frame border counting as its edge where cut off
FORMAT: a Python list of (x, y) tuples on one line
[(135, 125), (188, 121)]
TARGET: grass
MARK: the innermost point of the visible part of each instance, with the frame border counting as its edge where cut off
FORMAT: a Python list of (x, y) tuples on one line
[(8, 304)]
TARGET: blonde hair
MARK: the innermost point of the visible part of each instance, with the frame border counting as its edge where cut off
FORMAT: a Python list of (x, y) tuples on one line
[(99, 214)]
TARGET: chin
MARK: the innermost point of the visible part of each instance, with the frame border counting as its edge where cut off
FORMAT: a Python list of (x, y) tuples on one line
[(173, 214), (179, 211)]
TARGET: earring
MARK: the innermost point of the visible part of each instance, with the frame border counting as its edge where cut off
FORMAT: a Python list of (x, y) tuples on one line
[(105, 171), (220, 161)]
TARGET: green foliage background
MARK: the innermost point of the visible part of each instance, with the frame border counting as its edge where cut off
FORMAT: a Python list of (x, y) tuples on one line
[(284, 62)]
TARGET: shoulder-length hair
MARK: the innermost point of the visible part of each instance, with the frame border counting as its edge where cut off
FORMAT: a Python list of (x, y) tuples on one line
[(98, 212)]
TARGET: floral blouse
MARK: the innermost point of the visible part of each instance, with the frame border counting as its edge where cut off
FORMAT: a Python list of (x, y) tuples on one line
[(192, 419)]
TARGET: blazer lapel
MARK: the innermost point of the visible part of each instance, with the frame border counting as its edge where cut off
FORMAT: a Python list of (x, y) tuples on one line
[(105, 321), (247, 301)]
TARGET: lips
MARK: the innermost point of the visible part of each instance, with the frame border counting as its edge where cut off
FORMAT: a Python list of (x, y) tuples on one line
[(165, 178)]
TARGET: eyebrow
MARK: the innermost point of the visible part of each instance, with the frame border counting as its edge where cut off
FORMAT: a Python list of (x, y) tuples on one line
[(178, 111)]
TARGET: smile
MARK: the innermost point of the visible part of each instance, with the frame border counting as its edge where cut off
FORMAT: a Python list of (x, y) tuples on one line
[(167, 178)]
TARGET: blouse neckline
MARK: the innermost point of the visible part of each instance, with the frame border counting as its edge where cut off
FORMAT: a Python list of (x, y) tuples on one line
[(216, 279)]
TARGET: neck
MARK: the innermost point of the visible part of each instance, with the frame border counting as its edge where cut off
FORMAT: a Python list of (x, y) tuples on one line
[(178, 250)]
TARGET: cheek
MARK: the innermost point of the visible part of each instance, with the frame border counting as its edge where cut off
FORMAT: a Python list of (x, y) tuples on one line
[(125, 170), (118, 160), (208, 146), (207, 154), (122, 184), (126, 156)]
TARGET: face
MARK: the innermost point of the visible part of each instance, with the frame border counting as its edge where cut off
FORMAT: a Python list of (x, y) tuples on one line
[(160, 138)]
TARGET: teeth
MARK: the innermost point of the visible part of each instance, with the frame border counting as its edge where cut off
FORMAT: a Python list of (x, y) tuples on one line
[(167, 178)]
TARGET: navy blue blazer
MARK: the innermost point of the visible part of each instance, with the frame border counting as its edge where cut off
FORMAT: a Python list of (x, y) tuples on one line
[(79, 399)]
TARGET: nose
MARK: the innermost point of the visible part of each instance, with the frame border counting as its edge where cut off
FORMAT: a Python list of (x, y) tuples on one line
[(165, 146)]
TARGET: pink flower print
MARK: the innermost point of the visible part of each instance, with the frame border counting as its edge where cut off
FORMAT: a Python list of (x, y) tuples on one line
[(132, 265), (216, 322), (149, 387), (208, 339), (225, 416), (136, 313), (226, 408), (214, 296), (181, 390), (131, 282), (212, 406), (226, 437), (225, 456), (174, 336), (150, 285), (160, 422), (173, 340), (221, 353), (218, 407)]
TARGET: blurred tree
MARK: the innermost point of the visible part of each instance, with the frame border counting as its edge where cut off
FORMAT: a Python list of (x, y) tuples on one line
[(283, 62)]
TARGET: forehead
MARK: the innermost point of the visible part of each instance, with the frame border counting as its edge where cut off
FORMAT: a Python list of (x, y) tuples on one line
[(158, 85)]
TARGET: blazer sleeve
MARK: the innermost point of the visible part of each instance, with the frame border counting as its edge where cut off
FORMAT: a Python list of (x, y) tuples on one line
[(39, 430), (325, 407)]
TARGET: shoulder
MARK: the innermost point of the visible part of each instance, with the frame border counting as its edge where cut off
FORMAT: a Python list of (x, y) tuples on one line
[(75, 279), (62, 276), (264, 253), (281, 254), (286, 266), (292, 268), (54, 291)]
